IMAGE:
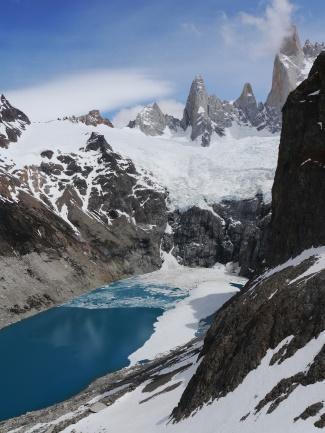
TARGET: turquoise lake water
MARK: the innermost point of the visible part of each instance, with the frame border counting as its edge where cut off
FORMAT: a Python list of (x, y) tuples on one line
[(55, 354)]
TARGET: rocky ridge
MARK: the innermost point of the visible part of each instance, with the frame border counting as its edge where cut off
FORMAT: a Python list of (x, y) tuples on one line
[(206, 114), (93, 118)]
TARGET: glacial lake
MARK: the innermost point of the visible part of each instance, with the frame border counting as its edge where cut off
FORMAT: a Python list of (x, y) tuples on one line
[(55, 354)]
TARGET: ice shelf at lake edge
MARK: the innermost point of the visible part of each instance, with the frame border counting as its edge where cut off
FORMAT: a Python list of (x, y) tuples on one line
[(209, 289)]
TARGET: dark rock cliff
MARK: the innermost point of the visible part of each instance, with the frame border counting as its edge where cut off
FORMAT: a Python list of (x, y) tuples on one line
[(231, 231), (298, 198), (284, 302)]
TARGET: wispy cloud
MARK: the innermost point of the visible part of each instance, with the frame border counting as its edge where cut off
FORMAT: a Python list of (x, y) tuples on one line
[(259, 35), (105, 90), (191, 28)]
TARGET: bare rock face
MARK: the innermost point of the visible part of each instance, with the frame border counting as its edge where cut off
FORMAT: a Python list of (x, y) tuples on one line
[(298, 191), (196, 109), (12, 122), (197, 113), (288, 65), (93, 118)]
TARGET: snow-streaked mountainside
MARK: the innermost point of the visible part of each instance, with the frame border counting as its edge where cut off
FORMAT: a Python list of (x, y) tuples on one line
[(237, 165)]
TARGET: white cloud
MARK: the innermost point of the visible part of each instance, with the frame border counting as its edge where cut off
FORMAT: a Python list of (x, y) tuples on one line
[(105, 90), (123, 117), (168, 106), (260, 35)]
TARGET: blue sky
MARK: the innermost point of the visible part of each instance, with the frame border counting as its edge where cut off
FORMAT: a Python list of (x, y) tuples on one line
[(169, 41)]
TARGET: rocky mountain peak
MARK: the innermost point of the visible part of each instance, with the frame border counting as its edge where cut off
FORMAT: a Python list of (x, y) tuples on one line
[(12, 122), (247, 92), (151, 120), (198, 84), (196, 106), (93, 118), (247, 103), (196, 112), (287, 70), (291, 65), (291, 45)]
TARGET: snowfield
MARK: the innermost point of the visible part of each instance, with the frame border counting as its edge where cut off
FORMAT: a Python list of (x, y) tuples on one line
[(235, 166)]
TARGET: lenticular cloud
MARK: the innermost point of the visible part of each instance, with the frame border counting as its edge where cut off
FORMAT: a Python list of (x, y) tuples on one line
[(79, 93)]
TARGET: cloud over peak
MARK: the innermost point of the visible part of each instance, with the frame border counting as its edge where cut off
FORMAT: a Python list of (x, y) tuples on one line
[(106, 90), (261, 34)]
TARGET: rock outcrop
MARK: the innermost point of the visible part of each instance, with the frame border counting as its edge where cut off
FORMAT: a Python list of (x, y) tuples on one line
[(281, 311), (12, 122), (93, 118)]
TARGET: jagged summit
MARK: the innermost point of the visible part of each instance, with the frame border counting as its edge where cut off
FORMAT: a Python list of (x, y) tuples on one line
[(207, 114), (12, 122), (197, 102), (93, 118), (291, 45), (291, 66), (152, 121), (196, 112), (247, 103)]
